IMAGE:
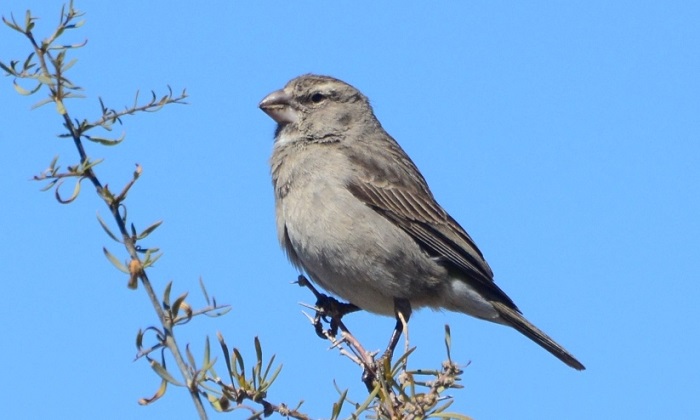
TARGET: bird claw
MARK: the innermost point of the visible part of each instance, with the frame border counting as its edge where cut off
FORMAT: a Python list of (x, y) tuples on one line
[(328, 309)]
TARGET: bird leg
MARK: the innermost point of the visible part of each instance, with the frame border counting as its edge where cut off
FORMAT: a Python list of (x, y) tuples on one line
[(402, 311), (328, 309)]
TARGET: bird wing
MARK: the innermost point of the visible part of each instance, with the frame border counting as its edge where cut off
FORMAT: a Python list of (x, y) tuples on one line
[(416, 212)]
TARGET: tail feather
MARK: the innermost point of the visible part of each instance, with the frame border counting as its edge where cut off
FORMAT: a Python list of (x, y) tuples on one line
[(517, 321)]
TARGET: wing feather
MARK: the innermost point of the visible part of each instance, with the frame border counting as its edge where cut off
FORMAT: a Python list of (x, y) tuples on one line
[(430, 225)]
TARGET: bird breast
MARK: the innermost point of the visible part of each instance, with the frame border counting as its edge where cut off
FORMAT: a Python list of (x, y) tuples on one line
[(345, 246)]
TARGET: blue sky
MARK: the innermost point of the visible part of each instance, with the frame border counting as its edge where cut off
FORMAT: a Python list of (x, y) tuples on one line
[(565, 137)]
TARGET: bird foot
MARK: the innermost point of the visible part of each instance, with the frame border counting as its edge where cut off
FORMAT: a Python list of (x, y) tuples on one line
[(328, 309)]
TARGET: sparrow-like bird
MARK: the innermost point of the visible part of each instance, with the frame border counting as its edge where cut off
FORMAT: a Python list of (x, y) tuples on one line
[(357, 216)]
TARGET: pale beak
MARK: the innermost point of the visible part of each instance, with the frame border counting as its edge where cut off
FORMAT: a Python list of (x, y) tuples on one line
[(279, 107)]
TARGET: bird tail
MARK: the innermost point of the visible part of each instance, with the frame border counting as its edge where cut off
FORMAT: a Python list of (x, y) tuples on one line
[(517, 321)]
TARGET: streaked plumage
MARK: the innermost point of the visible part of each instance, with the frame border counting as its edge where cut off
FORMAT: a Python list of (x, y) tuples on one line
[(356, 215)]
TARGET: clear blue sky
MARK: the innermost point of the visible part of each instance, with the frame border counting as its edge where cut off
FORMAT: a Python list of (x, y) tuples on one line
[(564, 137)]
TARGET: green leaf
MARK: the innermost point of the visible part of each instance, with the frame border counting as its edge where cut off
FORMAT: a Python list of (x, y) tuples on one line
[(76, 191), (451, 416), (104, 141), (8, 70), (91, 164), (176, 305), (149, 230), (443, 407), (48, 186), (28, 62), (258, 349), (206, 360), (106, 229), (164, 374), (239, 361), (27, 20), (204, 369), (159, 393), (267, 369), (402, 361), (264, 387), (150, 260), (61, 56), (221, 312), (139, 339), (190, 357), (204, 290), (52, 165), (338, 406), (42, 103), (21, 90), (12, 24), (370, 398), (224, 350), (166, 295), (115, 261)]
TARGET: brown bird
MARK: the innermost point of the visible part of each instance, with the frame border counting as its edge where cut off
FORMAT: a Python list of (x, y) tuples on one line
[(357, 216)]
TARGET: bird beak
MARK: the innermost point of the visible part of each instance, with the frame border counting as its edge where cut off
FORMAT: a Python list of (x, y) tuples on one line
[(278, 105)]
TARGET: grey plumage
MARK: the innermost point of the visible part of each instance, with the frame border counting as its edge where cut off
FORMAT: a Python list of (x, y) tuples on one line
[(356, 215)]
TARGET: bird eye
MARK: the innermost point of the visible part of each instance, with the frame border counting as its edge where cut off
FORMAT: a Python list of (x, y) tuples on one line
[(317, 97)]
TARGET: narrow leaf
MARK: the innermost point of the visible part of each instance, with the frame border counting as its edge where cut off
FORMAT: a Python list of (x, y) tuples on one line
[(204, 291), (267, 369), (258, 349), (69, 65), (139, 339), (28, 62), (239, 361), (52, 165), (338, 406), (451, 416), (163, 373), (42, 103), (205, 362), (7, 69), (48, 186), (443, 407), (159, 393), (149, 230), (106, 229), (224, 350), (21, 90), (166, 295), (190, 357), (104, 141), (361, 408), (13, 24), (76, 191), (115, 261), (151, 260), (269, 383), (176, 305)]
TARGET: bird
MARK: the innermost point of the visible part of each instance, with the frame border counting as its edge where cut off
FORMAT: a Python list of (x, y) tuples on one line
[(356, 215)]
